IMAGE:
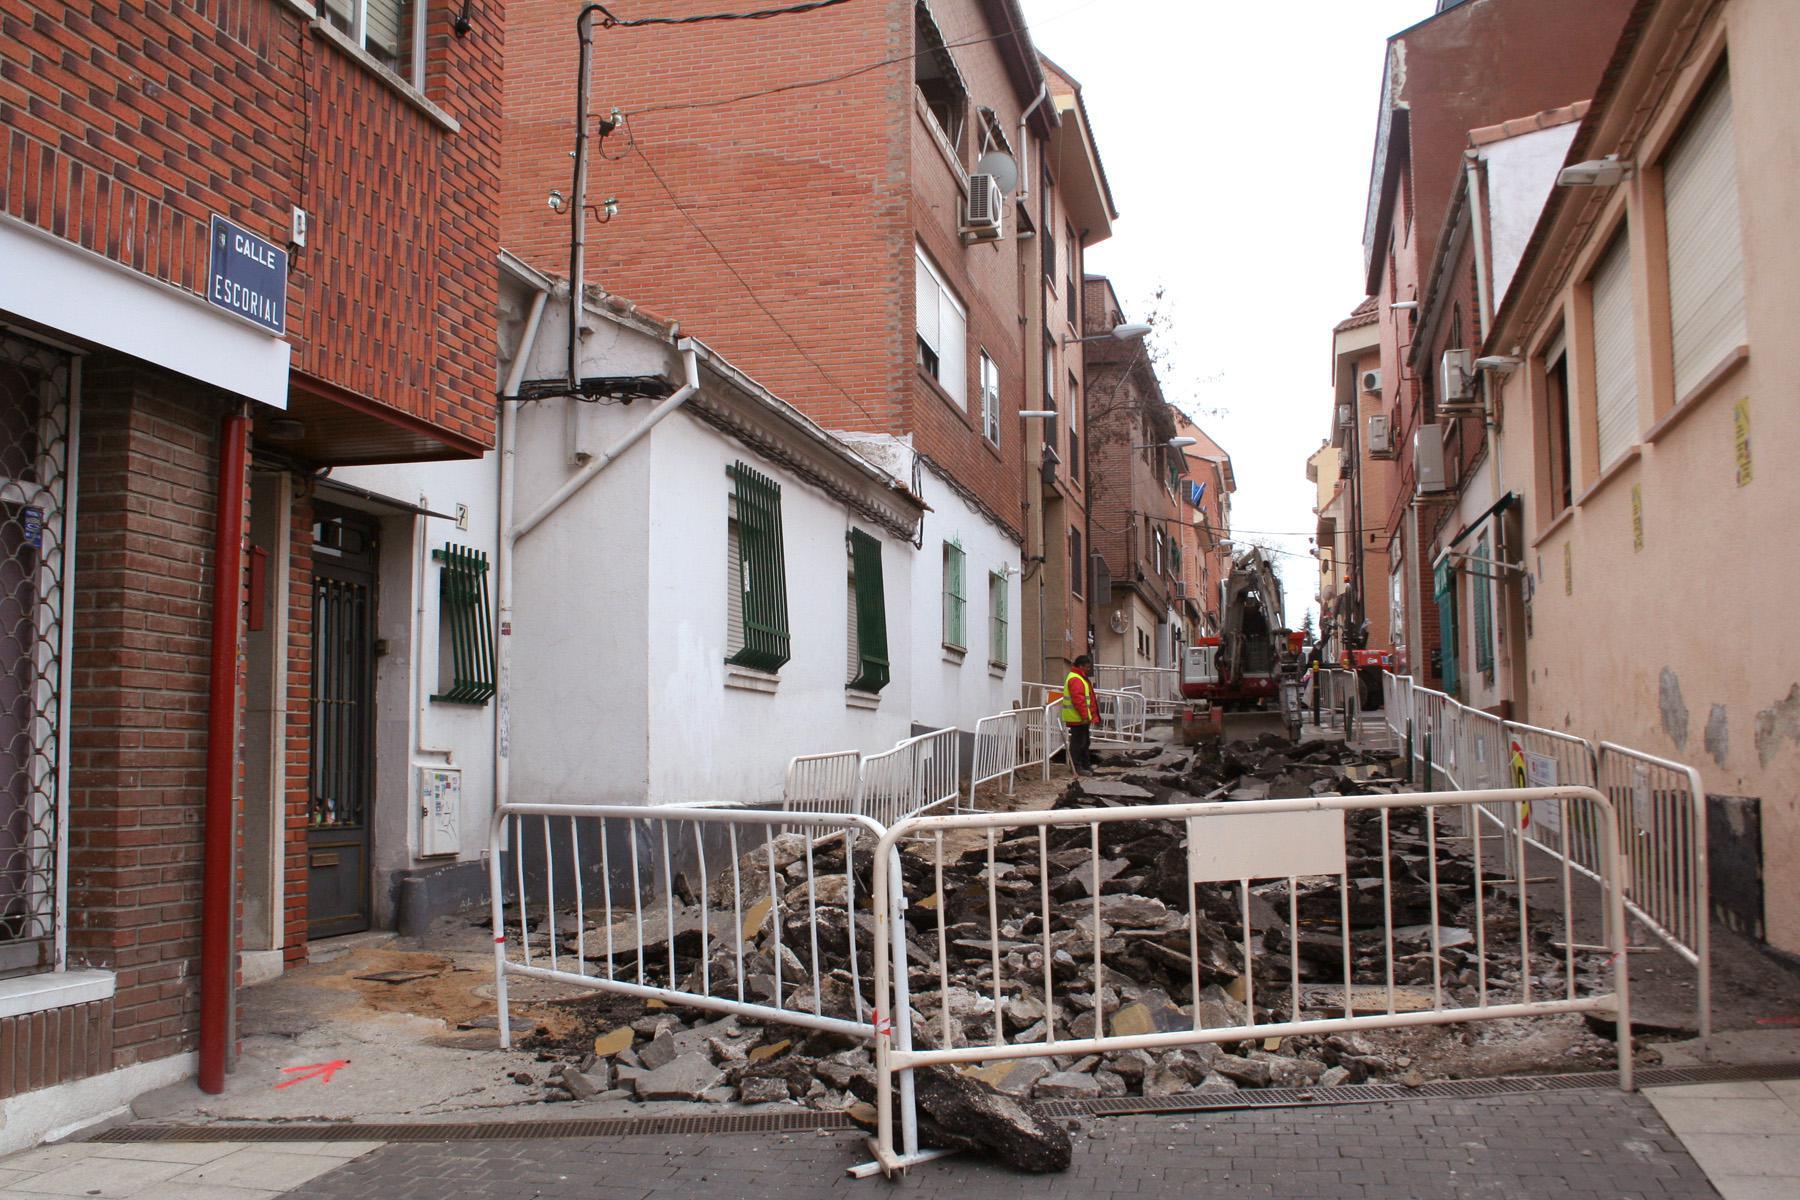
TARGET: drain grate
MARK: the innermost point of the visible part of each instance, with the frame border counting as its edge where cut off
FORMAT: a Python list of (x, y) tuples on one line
[(1204, 1100)]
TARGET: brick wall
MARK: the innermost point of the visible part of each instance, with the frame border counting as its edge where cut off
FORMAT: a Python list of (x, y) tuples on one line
[(298, 741), (42, 1049), (124, 126), (807, 202), (142, 628)]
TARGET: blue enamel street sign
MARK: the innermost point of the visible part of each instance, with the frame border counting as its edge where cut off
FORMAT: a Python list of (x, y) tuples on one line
[(247, 275)]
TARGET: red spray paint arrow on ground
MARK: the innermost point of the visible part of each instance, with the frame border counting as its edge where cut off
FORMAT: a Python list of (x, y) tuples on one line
[(319, 1071)]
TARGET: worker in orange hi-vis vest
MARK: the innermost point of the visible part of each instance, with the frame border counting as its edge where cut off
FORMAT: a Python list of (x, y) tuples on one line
[(1079, 714)]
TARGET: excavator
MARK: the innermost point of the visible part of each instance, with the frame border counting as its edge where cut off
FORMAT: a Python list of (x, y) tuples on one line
[(1246, 681)]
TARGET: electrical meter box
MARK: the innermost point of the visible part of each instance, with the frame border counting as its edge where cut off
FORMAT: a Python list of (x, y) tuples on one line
[(440, 811)]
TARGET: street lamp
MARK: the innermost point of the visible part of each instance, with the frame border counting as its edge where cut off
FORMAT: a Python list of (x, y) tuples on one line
[(1174, 443), (1123, 333)]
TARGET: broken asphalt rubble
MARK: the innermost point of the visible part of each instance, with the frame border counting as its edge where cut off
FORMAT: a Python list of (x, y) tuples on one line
[(622, 1049)]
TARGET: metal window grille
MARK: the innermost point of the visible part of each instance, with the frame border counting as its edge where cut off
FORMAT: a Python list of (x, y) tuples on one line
[(956, 597), (1484, 610), (466, 620), (37, 431), (997, 618), (870, 613), (1444, 590), (761, 576)]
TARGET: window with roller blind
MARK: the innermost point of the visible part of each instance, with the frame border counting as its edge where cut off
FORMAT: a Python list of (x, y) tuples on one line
[(1615, 353), (1706, 252), (942, 328)]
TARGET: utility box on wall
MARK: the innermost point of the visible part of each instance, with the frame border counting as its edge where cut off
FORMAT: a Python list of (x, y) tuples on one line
[(440, 811)]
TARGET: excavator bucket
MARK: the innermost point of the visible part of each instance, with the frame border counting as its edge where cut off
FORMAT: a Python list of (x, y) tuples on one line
[(1248, 726)]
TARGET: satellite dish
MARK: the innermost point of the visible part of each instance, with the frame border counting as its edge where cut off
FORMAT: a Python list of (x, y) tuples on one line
[(1002, 167)]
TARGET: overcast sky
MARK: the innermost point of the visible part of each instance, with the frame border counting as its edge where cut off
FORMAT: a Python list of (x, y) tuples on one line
[(1237, 139)]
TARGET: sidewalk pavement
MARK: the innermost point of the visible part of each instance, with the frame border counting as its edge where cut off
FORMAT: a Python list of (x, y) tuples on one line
[(1570, 1144)]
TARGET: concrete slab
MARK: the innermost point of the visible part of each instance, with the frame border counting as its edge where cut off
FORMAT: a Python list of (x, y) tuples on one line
[(261, 1168), (114, 1178), (1727, 1114), (1747, 1154)]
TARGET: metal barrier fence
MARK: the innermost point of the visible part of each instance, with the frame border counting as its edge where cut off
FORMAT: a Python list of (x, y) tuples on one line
[(1161, 686), (757, 888), (1124, 718), (822, 782), (1337, 695), (1042, 736), (1661, 807), (1324, 953), (997, 742), (917, 775)]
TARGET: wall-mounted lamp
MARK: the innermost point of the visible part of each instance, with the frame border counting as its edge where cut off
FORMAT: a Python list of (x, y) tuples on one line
[(1505, 364), (1404, 305), (1122, 333), (1174, 443), (1046, 413), (1597, 172)]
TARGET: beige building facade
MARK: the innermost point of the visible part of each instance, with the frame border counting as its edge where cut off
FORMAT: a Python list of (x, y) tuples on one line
[(1650, 427)]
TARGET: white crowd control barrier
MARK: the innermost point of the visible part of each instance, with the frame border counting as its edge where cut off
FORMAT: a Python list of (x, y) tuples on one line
[(1161, 686), (916, 776), (597, 905), (1124, 718), (997, 743), (1660, 806), (822, 782), (1317, 858), (1042, 736)]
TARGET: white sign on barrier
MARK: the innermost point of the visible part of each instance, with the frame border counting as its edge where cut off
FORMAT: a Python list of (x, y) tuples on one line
[(1274, 845)]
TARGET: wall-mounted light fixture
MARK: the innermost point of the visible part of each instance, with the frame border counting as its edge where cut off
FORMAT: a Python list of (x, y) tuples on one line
[(1597, 172), (1122, 333)]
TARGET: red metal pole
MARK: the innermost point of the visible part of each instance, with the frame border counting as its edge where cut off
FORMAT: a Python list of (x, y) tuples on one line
[(218, 900)]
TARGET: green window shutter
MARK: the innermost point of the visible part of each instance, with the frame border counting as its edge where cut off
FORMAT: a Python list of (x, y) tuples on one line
[(1444, 588), (465, 627), (956, 597), (763, 570), (1484, 611), (997, 613), (871, 613)]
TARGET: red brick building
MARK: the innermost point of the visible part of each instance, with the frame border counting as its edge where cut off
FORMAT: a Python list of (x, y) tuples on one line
[(239, 242), (809, 192), (1468, 66)]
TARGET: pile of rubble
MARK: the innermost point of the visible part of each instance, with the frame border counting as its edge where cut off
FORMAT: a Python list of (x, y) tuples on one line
[(622, 1050)]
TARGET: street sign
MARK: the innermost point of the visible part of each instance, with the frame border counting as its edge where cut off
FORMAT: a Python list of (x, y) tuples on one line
[(247, 275)]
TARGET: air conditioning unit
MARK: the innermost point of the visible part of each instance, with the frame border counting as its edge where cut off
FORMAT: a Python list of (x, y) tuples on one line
[(1345, 414), (1371, 381), (1456, 382), (1181, 589), (1381, 438), (1428, 459), (987, 209)]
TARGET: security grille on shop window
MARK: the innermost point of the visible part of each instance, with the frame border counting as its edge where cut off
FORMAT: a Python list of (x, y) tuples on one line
[(465, 627), (37, 423)]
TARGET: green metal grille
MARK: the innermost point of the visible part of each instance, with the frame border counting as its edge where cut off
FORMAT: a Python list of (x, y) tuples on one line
[(956, 597), (1484, 610), (1444, 589), (466, 617), (997, 617), (762, 570), (871, 613)]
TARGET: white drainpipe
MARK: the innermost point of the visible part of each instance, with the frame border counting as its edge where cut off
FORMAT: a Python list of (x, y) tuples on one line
[(510, 534), (1025, 142)]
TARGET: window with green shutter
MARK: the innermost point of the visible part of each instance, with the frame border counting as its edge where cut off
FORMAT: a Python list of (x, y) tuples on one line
[(1444, 590), (1484, 610), (956, 597), (758, 636), (997, 618), (465, 627), (868, 615)]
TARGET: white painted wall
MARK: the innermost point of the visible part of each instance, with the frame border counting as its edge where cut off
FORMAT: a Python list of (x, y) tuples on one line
[(709, 741), (1520, 173)]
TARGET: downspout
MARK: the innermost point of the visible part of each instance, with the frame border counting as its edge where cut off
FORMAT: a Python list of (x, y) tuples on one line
[(503, 544), (217, 894), (1025, 142)]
